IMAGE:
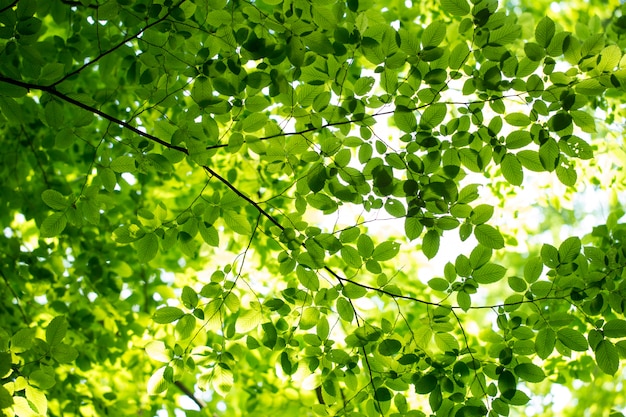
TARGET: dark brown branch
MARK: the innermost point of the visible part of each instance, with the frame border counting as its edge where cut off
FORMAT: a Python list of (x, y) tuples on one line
[(10, 6), (52, 91), (120, 44), (190, 394), (79, 4)]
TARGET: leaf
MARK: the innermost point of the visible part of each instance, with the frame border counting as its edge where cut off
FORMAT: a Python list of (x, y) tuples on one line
[(572, 339), (353, 291), (56, 330), (386, 251), (237, 222), (512, 169), (53, 225), (615, 328), (544, 31), (607, 357), (545, 342), (433, 116), (345, 310), (455, 7), (54, 199), (489, 273), (569, 249), (517, 119), (434, 34), (430, 243), (41, 379), (185, 327), (124, 163), (167, 314), (489, 236), (389, 347), (413, 228), (533, 269), (147, 247), (405, 119), (530, 372), (157, 350), (189, 297), (157, 383)]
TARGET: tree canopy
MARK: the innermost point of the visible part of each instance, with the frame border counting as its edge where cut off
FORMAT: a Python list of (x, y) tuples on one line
[(312, 207)]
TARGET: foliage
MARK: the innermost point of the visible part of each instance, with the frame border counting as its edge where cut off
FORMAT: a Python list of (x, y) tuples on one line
[(233, 203)]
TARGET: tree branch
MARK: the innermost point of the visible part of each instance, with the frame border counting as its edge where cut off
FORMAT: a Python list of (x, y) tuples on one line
[(190, 394)]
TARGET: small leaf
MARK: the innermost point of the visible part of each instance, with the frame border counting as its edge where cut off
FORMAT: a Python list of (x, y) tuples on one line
[(345, 310), (489, 273), (533, 269), (413, 228), (572, 339), (389, 347), (123, 163), (489, 236), (434, 34), (433, 116), (545, 31), (157, 350), (615, 328), (512, 169), (530, 372), (569, 249), (607, 357), (455, 7), (386, 251), (54, 199), (353, 291), (55, 332), (53, 225), (430, 243), (545, 342), (157, 383), (167, 314), (189, 297), (147, 247)]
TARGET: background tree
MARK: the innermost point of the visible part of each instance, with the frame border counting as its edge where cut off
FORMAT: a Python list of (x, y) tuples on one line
[(229, 207)]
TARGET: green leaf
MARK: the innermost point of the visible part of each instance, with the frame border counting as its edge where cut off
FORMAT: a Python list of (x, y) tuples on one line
[(615, 328), (157, 383), (533, 269), (389, 347), (56, 330), (345, 309), (607, 357), (545, 342), (489, 273), (353, 291), (185, 327), (455, 7), (189, 297), (550, 256), (517, 119), (430, 243), (544, 31), (433, 116), (530, 372), (489, 236), (405, 119), (53, 225), (237, 222), (464, 300), (459, 56), (572, 339), (569, 249), (512, 169), (413, 228), (54, 199), (386, 251), (530, 160), (167, 314), (507, 384), (147, 247), (434, 34), (41, 379), (124, 163), (584, 120)]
